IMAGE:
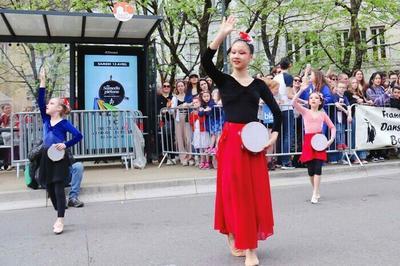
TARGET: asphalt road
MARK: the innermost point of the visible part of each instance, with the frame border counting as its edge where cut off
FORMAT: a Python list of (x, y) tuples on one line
[(356, 223)]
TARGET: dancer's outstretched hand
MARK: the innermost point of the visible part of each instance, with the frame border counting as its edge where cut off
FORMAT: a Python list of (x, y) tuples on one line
[(42, 77), (228, 25)]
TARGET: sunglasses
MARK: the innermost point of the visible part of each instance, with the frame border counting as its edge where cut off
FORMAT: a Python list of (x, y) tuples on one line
[(166, 86), (296, 80)]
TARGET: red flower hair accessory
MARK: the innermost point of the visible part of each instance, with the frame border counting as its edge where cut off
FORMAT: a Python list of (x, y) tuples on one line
[(66, 102), (245, 37)]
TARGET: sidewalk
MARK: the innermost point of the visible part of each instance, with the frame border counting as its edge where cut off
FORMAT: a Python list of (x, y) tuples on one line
[(113, 182)]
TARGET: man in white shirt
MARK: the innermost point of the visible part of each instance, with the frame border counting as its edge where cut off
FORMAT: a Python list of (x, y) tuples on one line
[(287, 138)]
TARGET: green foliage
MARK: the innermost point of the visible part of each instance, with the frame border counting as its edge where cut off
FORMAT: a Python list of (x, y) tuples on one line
[(22, 65)]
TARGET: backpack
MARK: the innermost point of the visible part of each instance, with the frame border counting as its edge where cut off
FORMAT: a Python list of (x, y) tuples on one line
[(29, 181)]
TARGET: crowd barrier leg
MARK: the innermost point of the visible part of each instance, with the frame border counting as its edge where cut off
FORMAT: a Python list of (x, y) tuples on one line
[(346, 154), (163, 159), (126, 162), (131, 157), (18, 169)]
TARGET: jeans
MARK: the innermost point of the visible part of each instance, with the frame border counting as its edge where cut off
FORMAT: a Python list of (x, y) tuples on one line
[(75, 179), (340, 133), (340, 139), (287, 143)]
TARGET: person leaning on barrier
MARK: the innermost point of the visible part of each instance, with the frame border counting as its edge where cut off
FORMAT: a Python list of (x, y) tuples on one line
[(377, 94), (5, 122), (164, 100)]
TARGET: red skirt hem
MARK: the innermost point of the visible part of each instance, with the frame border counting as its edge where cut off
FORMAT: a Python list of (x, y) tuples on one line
[(308, 153)]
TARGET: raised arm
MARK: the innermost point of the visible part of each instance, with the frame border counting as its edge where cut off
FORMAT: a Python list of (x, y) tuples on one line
[(296, 98), (225, 29), (42, 95)]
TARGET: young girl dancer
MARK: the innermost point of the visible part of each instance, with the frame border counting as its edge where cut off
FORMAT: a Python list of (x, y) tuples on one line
[(243, 209), (55, 129), (314, 119)]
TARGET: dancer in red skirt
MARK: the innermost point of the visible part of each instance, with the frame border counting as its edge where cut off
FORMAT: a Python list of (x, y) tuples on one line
[(243, 209), (313, 120)]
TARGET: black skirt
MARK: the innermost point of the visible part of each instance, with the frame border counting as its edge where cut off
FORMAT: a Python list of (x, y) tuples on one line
[(53, 172)]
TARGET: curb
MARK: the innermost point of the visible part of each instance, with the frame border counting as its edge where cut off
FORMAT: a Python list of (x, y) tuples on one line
[(190, 186)]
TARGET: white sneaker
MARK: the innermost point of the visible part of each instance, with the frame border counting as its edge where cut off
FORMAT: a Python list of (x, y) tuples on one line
[(284, 167), (169, 162), (314, 199)]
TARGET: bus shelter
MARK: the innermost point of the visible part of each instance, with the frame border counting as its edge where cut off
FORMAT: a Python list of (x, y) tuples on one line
[(94, 36)]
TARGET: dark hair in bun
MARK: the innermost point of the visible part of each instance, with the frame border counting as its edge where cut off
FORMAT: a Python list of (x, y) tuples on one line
[(251, 46)]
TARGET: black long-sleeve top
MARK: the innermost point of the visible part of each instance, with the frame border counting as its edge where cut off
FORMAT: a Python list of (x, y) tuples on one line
[(240, 102)]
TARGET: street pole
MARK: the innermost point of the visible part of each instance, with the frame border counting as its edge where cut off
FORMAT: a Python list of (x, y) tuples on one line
[(225, 68)]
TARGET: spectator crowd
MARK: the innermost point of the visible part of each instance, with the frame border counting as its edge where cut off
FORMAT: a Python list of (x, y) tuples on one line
[(191, 114)]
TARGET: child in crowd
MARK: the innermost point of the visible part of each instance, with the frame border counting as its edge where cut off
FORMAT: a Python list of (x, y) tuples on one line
[(313, 118), (342, 118), (201, 138), (55, 129), (207, 103), (216, 120)]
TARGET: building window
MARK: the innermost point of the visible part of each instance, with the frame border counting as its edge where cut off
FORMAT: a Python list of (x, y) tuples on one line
[(342, 39), (378, 43), (293, 46), (194, 49), (311, 43)]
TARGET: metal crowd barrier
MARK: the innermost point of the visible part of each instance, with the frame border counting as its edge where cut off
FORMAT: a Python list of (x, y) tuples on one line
[(289, 142), (106, 134)]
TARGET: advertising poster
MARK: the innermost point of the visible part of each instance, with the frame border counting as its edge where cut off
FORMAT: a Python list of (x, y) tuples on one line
[(111, 82)]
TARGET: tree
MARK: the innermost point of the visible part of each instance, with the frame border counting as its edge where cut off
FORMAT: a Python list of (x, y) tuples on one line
[(359, 15), (322, 32), (183, 24), (23, 64), (273, 22)]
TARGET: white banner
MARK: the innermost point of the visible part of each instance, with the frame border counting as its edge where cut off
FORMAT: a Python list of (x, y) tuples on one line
[(377, 127)]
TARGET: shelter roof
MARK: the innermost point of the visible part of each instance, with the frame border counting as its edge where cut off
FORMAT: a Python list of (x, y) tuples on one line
[(73, 27)]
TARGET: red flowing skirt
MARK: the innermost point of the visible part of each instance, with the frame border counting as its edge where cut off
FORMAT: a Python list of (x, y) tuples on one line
[(308, 153), (243, 199)]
